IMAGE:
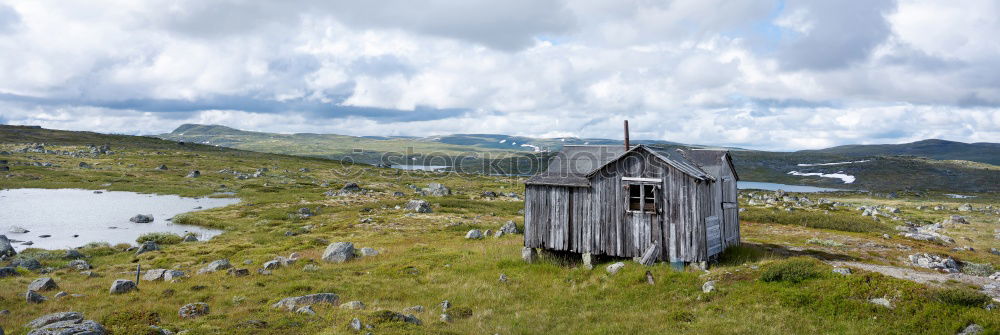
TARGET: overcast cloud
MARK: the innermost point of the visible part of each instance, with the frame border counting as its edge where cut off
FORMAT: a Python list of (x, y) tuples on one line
[(782, 75)]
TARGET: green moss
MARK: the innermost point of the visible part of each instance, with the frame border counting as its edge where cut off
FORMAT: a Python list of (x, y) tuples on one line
[(961, 296), (793, 270), (159, 238)]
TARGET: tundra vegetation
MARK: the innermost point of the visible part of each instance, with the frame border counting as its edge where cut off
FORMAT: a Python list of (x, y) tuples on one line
[(780, 280)]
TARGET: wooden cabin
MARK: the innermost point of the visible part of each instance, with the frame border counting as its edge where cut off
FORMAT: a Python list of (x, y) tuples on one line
[(675, 205)]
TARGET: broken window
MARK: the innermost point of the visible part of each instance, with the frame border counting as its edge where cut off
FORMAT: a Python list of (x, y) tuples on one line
[(649, 198), (642, 197), (634, 197)]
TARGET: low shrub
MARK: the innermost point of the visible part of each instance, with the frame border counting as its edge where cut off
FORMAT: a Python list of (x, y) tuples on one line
[(792, 270), (160, 238), (836, 220), (961, 296)]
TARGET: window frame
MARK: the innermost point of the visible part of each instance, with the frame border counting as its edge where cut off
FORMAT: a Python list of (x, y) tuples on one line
[(653, 185)]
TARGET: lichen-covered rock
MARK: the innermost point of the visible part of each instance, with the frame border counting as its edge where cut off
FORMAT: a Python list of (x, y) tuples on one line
[(419, 206), (53, 318), (191, 311), (43, 284), (154, 274), (7, 272), (353, 305), (708, 287), (214, 266), (339, 252), (945, 264), (509, 228), (368, 252), (147, 247), (34, 298), (614, 268), (122, 286), (474, 234), (71, 327), (6, 250), (142, 218), (293, 303)]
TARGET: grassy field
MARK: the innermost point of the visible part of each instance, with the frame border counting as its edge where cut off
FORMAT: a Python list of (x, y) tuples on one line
[(777, 282)]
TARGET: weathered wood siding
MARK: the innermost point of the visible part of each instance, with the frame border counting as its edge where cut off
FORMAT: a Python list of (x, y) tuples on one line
[(595, 219)]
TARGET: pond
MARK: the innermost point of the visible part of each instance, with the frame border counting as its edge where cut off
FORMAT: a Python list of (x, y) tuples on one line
[(73, 217), (421, 167), (753, 185)]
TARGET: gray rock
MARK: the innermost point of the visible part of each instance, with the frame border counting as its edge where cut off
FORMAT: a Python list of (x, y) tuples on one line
[(142, 218), (73, 254), (474, 234), (445, 318), (43, 284), (34, 298), (239, 272), (122, 286), (61, 294), (445, 305), (71, 327), (18, 230), (293, 303), (354, 325), (84, 165), (945, 264), (154, 274), (193, 174), (528, 254), (368, 252), (271, 265), (965, 208), (509, 228), (191, 311), (306, 310), (419, 206), (398, 194), (214, 266), (708, 287), (6, 250), (79, 264), (171, 275), (614, 268), (310, 268), (503, 278), (972, 329), (955, 219), (7, 272), (355, 305), (190, 238), (27, 263), (53, 318), (162, 167), (881, 302), (147, 246), (843, 271), (437, 190), (339, 252)]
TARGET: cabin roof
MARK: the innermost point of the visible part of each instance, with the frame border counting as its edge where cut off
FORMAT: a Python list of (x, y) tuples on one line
[(575, 164), (713, 159)]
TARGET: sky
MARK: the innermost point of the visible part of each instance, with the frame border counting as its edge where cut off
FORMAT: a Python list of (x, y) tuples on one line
[(772, 75)]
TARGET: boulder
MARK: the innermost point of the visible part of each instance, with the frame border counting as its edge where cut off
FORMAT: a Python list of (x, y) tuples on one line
[(7, 272), (293, 303), (193, 174), (27, 263), (191, 311), (437, 190), (614, 268), (306, 310), (955, 219), (348, 189), (48, 319), (509, 228), (43, 284), (489, 194), (190, 238), (6, 250), (354, 325), (214, 266), (147, 247), (353, 305), (239, 272), (474, 234), (708, 287), (34, 298), (368, 252), (972, 329), (965, 208), (419, 206), (339, 252), (843, 271), (73, 254), (142, 218), (154, 274), (122, 286), (79, 264), (18, 230), (944, 264), (71, 327), (881, 302)]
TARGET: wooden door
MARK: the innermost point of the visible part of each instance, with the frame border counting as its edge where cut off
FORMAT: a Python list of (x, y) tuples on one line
[(642, 218)]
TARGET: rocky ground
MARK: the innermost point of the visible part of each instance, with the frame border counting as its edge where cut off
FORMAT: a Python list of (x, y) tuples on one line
[(317, 247)]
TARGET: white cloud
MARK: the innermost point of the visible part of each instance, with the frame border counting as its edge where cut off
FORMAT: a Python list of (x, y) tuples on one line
[(745, 73)]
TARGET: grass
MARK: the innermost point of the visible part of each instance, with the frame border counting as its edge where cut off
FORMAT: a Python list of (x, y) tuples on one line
[(159, 238), (842, 220), (424, 260)]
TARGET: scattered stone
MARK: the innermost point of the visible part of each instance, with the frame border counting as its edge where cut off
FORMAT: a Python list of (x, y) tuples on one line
[(121, 286), (436, 189), (84, 165), (271, 265), (154, 274), (614, 268), (503, 278), (239, 272), (339, 252), (955, 219), (368, 252), (162, 167), (945, 264), (34, 298), (419, 206), (354, 325), (48, 319), (881, 302), (398, 194), (18, 230), (509, 228), (7, 272), (489, 194), (972, 329), (142, 218), (172, 275), (965, 208), (191, 311), (90, 274), (190, 238), (488, 232), (218, 265), (27, 263), (293, 303), (73, 254), (588, 260), (445, 305), (61, 294), (193, 174), (414, 309), (445, 318), (474, 234), (6, 250), (355, 305), (708, 287), (306, 310), (649, 278), (310, 268), (843, 271), (71, 327), (43, 284), (147, 247)]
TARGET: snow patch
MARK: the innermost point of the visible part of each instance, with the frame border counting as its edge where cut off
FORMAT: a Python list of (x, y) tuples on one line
[(834, 163), (533, 147), (502, 141), (959, 196), (839, 175)]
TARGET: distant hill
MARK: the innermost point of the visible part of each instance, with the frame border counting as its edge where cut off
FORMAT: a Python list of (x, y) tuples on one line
[(935, 149)]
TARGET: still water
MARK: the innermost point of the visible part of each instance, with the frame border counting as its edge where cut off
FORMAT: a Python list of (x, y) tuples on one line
[(74, 217), (753, 185)]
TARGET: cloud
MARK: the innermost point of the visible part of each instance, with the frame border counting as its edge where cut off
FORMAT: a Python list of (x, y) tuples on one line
[(757, 74)]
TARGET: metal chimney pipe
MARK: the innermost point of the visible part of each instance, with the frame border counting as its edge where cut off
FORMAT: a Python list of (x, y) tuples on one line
[(626, 135)]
